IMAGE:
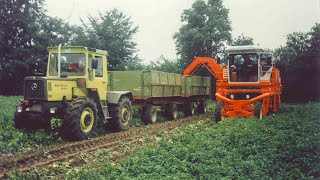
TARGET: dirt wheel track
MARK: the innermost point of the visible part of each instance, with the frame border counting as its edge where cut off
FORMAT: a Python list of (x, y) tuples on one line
[(62, 152)]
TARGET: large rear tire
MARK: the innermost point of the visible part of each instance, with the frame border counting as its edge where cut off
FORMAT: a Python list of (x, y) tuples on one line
[(189, 109), (258, 110), (218, 112), (171, 111), (149, 114), (80, 119), (121, 114)]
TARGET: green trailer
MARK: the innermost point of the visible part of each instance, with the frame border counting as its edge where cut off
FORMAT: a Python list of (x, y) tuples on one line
[(171, 91)]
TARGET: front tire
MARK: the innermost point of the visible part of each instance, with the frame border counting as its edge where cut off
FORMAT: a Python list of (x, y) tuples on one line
[(121, 114), (80, 119)]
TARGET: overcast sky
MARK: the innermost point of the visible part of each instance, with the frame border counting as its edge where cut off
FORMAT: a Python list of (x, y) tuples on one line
[(266, 21)]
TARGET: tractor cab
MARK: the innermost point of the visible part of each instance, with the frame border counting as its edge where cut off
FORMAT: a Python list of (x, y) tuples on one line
[(248, 64)]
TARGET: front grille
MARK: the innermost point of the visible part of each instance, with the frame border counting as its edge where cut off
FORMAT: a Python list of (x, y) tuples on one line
[(34, 89)]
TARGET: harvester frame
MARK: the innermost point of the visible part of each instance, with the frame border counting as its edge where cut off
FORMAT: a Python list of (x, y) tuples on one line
[(256, 97)]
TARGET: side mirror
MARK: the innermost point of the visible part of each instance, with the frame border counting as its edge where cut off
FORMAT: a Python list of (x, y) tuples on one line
[(94, 64)]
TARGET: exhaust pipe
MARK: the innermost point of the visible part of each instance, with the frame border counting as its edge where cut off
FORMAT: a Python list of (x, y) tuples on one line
[(59, 61)]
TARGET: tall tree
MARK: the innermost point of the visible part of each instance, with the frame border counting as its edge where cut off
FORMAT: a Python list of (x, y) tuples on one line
[(242, 41), (51, 32), (112, 31), (299, 62), (17, 26), (205, 32)]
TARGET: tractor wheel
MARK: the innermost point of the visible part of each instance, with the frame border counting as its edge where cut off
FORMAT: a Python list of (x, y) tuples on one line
[(202, 107), (171, 111), (80, 119), (149, 114), (189, 109), (218, 112), (121, 114), (258, 110)]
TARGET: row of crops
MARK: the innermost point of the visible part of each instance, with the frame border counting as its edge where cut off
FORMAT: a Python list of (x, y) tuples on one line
[(282, 146)]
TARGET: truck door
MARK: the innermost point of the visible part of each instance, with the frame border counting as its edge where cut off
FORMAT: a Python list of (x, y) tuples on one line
[(98, 80)]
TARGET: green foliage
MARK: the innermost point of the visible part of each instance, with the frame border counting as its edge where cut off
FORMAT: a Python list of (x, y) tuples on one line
[(242, 41), (299, 62), (25, 34), (17, 27), (112, 31), (165, 65), (205, 31), (282, 146), (12, 139)]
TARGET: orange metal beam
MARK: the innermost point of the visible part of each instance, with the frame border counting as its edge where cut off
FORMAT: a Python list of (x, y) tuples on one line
[(210, 63)]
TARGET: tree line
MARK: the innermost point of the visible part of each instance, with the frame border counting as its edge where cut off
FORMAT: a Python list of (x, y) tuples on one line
[(26, 32)]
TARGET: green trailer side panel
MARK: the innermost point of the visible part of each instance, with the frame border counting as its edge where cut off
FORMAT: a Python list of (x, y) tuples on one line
[(146, 84), (196, 85), (126, 81)]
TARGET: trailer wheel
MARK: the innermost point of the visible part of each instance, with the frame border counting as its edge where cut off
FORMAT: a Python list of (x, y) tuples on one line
[(80, 119), (258, 110), (149, 114), (189, 109), (218, 112), (202, 107), (121, 114), (171, 111)]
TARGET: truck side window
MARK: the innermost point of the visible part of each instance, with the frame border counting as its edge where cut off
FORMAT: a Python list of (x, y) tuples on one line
[(99, 71)]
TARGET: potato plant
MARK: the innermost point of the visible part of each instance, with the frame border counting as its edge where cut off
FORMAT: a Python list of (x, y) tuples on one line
[(12, 139), (282, 146)]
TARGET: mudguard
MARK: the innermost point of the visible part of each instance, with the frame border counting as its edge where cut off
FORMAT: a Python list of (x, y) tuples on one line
[(113, 97)]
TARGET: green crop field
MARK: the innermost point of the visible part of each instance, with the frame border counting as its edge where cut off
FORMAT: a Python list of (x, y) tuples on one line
[(13, 140), (285, 145), (282, 146)]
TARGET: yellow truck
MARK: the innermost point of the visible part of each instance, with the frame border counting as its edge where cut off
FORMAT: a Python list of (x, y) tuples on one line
[(75, 89)]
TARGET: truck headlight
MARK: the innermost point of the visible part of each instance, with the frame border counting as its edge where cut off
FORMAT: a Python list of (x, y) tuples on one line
[(53, 110), (231, 96), (247, 96), (19, 109)]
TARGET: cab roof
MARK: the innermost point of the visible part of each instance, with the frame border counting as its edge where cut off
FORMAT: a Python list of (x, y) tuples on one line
[(243, 49), (87, 48)]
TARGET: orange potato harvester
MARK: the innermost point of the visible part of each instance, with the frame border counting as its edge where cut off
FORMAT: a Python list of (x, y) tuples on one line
[(248, 85)]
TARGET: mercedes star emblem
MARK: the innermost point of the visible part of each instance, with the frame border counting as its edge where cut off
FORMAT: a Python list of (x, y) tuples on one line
[(34, 86)]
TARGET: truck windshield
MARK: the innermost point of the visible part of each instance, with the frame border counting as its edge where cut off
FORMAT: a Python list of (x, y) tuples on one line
[(243, 67), (72, 64)]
